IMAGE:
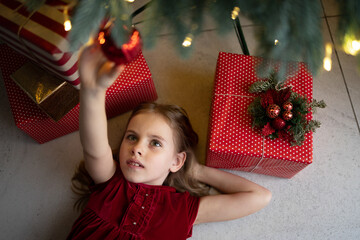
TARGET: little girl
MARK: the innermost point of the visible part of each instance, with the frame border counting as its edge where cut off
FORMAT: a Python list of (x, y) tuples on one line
[(152, 191)]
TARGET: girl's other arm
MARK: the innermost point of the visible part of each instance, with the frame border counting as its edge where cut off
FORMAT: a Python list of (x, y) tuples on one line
[(96, 74), (239, 198)]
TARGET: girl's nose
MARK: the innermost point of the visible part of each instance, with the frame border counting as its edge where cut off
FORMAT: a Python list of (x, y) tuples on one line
[(136, 150)]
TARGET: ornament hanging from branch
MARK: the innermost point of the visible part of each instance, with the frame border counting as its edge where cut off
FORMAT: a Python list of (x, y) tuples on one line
[(288, 121), (120, 55)]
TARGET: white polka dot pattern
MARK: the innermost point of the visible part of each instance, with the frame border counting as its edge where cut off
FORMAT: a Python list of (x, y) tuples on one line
[(133, 86), (233, 144)]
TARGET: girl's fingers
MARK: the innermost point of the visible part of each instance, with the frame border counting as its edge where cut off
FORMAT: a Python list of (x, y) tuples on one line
[(108, 73), (95, 68)]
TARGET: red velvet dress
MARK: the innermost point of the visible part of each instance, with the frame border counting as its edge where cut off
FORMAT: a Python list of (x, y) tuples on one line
[(119, 209)]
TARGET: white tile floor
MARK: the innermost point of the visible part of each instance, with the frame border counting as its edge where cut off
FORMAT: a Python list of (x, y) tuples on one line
[(321, 202)]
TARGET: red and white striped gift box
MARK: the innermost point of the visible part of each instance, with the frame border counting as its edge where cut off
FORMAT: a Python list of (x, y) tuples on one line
[(133, 86), (40, 36), (233, 143)]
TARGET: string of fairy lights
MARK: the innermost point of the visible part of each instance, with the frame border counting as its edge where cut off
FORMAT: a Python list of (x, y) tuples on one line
[(351, 45)]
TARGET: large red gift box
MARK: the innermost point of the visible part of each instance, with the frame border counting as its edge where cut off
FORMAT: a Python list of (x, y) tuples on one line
[(233, 143), (40, 36), (133, 86)]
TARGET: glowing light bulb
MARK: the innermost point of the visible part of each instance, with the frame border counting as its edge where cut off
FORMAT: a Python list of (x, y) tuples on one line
[(130, 1), (235, 12), (327, 63), (101, 37), (351, 45), (187, 41), (276, 42), (328, 49), (355, 45), (67, 25)]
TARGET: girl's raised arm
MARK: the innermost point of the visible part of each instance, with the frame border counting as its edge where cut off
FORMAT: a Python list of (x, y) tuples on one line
[(96, 75), (239, 198)]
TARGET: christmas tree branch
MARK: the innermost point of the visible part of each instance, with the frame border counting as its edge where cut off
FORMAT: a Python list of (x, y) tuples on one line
[(86, 21)]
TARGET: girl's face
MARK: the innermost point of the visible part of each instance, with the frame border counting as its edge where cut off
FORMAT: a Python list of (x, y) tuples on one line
[(148, 151)]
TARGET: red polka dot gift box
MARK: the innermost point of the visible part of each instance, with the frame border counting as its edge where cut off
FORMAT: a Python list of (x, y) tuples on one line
[(133, 86), (233, 143), (40, 35)]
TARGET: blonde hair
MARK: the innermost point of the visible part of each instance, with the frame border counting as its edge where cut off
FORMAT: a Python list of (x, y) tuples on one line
[(186, 140)]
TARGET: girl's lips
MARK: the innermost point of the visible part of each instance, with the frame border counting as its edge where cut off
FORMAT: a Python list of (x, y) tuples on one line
[(134, 163)]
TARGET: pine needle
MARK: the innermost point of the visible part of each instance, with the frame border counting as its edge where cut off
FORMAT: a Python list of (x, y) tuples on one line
[(86, 21)]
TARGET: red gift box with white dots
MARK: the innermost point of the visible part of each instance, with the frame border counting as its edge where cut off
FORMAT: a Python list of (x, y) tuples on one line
[(233, 143), (40, 35), (133, 86)]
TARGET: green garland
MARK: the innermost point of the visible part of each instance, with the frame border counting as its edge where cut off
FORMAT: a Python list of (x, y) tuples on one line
[(296, 127)]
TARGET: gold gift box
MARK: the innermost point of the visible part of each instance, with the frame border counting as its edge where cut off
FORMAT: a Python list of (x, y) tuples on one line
[(54, 96)]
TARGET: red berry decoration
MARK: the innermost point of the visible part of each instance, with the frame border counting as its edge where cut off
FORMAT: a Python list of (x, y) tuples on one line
[(273, 111), (287, 106), (287, 115), (278, 123), (123, 55)]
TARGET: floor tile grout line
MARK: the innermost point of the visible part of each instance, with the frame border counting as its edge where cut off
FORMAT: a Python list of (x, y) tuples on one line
[(341, 69)]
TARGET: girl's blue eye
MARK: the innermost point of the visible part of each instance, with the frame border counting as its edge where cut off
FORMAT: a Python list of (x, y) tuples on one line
[(155, 143), (131, 137)]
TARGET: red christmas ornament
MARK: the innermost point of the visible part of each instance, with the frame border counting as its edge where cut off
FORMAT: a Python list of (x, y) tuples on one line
[(273, 111), (278, 123), (287, 115), (287, 106), (123, 55)]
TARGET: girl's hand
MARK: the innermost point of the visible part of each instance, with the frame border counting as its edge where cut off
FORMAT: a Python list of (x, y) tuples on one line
[(96, 72), (240, 197)]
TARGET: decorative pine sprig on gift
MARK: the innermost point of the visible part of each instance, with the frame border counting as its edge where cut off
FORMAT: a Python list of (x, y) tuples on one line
[(300, 103), (258, 112), (280, 112), (262, 86), (315, 105), (299, 125)]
